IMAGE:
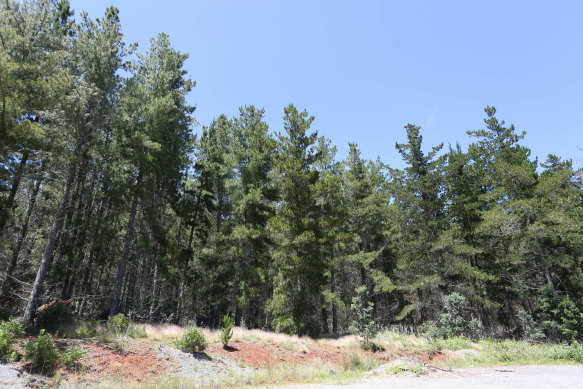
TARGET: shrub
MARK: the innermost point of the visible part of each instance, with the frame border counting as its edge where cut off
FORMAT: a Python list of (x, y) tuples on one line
[(119, 324), (451, 322), (9, 332), (192, 341), (71, 357), (226, 330), (42, 352), (54, 317), (123, 326), (560, 313), (530, 331), (363, 323)]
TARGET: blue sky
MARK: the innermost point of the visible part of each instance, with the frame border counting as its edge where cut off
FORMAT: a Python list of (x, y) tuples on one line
[(365, 69)]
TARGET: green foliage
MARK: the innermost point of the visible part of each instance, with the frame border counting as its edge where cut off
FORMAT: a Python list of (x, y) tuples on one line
[(42, 353), (55, 317), (452, 322), (530, 330), (118, 347), (9, 332), (121, 325), (86, 330), (193, 341), (71, 357), (362, 322), (560, 313), (227, 330)]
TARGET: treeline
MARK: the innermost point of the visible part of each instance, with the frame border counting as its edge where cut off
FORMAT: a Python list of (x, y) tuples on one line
[(108, 199)]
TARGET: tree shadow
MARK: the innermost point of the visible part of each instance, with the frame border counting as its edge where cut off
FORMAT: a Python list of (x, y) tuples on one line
[(230, 349)]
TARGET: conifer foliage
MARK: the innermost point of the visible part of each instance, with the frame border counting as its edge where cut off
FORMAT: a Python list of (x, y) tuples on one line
[(112, 198)]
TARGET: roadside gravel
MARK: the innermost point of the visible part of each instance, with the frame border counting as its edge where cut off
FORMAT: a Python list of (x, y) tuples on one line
[(10, 377), (200, 367)]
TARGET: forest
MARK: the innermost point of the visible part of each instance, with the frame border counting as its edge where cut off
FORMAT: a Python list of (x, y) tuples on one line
[(112, 197)]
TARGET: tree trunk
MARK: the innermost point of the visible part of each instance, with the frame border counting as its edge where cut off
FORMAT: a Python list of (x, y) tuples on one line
[(21, 238), (46, 259), (115, 301), (334, 314), (14, 190)]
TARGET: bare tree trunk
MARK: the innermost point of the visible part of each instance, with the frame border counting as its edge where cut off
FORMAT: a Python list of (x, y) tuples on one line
[(334, 314), (21, 237), (46, 259), (115, 301)]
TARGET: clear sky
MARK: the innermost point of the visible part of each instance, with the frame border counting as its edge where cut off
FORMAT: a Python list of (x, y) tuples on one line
[(365, 68)]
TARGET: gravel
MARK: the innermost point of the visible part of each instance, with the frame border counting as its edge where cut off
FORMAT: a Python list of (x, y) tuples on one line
[(201, 368), (11, 377)]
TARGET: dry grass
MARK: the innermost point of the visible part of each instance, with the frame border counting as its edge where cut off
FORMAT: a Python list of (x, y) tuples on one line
[(163, 331)]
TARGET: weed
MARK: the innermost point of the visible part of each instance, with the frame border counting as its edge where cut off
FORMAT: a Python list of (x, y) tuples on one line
[(9, 332), (42, 353), (71, 357)]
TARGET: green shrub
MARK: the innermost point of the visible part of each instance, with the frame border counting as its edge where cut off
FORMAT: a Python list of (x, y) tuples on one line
[(9, 332), (119, 324), (560, 313), (530, 331), (123, 326), (71, 357), (192, 341), (451, 322), (86, 330), (54, 317), (362, 322), (226, 330), (42, 352)]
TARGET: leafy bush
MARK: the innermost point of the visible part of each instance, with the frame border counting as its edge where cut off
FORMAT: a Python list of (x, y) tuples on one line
[(560, 313), (123, 326), (192, 341), (9, 332), (226, 330), (42, 352), (530, 331), (451, 322), (362, 322), (54, 317), (71, 357)]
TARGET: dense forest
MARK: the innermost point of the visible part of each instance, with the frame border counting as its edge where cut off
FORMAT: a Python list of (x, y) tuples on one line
[(111, 197)]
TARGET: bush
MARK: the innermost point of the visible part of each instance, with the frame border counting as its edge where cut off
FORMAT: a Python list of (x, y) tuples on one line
[(192, 341), (71, 357), (54, 317), (42, 352), (363, 323), (530, 331), (9, 332), (226, 330), (560, 313), (123, 326), (451, 322)]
